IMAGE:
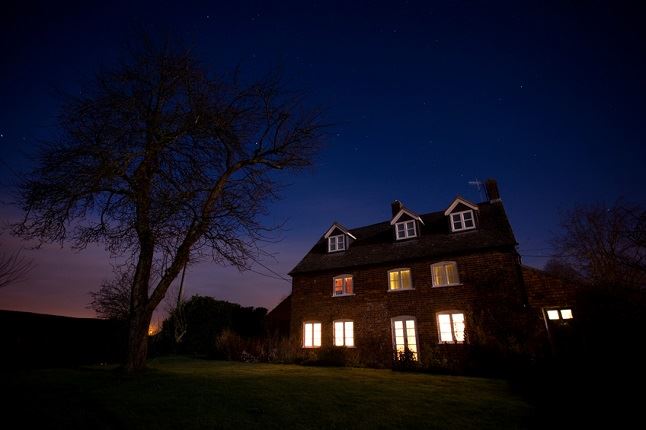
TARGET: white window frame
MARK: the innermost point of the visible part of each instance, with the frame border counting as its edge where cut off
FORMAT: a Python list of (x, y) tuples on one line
[(345, 285), (320, 340), (335, 240), (460, 215), (445, 263), (344, 333), (439, 329), (404, 319), (401, 288), (405, 232)]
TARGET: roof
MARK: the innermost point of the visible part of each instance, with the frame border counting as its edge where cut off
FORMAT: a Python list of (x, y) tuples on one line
[(375, 244)]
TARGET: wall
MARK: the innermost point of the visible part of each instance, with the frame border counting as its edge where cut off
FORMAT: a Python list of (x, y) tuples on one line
[(483, 278)]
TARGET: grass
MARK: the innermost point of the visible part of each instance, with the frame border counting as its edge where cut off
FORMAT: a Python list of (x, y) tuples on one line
[(181, 393)]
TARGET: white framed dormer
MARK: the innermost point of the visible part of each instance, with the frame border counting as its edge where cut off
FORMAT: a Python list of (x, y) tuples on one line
[(462, 215), (405, 223), (338, 238)]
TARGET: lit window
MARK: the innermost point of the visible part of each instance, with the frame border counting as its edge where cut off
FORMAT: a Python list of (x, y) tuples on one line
[(399, 279), (451, 327), (336, 243), (404, 335), (445, 273), (557, 314), (343, 285), (311, 335), (343, 333), (406, 229), (462, 221)]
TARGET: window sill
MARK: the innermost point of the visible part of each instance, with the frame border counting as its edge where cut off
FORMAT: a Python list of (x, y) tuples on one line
[(463, 230), (451, 343), (400, 290), (311, 347), (448, 285), (342, 295)]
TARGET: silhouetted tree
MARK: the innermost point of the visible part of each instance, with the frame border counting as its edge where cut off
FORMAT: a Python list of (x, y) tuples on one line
[(162, 161), (13, 267), (605, 245), (112, 299)]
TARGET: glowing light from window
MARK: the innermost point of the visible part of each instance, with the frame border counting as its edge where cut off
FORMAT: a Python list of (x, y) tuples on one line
[(312, 335), (566, 314), (553, 314)]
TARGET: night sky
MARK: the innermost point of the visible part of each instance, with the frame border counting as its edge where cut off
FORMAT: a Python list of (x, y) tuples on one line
[(548, 98)]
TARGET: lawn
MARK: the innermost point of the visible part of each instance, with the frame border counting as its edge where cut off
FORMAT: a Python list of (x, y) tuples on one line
[(180, 393)]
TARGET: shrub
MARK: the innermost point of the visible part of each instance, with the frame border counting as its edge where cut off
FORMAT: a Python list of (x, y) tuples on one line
[(405, 361)]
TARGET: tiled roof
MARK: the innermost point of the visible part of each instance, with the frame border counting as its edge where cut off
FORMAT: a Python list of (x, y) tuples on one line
[(375, 244)]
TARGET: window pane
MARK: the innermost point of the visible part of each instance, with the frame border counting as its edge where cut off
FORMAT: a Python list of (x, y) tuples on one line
[(468, 223), (410, 227), (451, 273), (394, 280), (467, 216), (566, 314), (332, 244), (440, 275), (348, 285), (399, 324), (446, 334), (308, 335), (553, 314), (437, 275), (458, 327), (410, 323), (349, 333), (401, 228), (457, 225), (317, 334), (405, 277), (338, 333), (341, 242), (338, 286)]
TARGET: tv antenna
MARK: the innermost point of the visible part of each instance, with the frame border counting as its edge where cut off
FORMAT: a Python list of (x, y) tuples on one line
[(479, 186)]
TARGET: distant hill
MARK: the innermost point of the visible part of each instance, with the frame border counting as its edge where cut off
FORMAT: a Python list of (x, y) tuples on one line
[(41, 340)]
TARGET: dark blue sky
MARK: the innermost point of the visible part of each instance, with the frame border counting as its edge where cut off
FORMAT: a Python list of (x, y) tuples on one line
[(546, 97)]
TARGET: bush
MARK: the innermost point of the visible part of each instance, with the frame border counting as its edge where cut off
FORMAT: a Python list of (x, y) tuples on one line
[(405, 361)]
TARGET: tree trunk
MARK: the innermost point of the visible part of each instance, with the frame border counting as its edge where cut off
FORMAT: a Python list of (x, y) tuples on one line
[(137, 340)]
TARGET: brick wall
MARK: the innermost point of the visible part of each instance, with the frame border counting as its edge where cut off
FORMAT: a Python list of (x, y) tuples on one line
[(372, 306)]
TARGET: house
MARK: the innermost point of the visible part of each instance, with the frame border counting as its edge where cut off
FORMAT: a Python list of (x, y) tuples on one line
[(441, 286)]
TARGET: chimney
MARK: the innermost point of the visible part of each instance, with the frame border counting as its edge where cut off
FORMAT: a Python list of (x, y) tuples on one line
[(396, 206), (491, 187)]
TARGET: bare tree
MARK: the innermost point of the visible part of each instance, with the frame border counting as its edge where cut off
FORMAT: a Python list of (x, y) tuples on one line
[(112, 299), (14, 267), (605, 245), (161, 161)]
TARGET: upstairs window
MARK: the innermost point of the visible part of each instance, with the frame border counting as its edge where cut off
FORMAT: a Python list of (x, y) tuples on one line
[(336, 243), (343, 285), (404, 335), (445, 274), (343, 333), (462, 221), (451, 327), (406, 229), (312, 335), (399, 279)]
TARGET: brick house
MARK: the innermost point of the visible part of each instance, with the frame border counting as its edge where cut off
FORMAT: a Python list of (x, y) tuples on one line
[(438, 285)]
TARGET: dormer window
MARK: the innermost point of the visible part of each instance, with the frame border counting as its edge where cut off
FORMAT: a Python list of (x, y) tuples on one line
[(336, 243), (462, 221), (406, 229)]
